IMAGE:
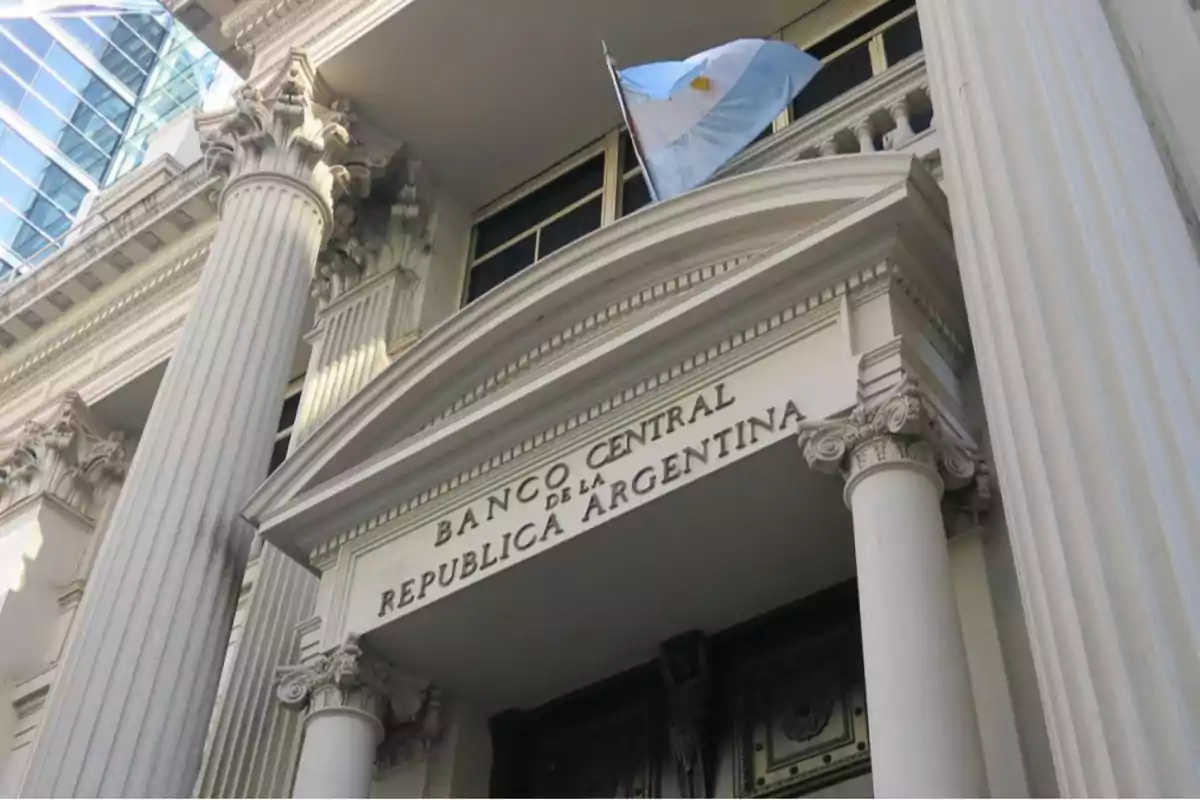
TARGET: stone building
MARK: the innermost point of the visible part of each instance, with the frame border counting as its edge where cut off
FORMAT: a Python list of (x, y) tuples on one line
[(386, 441)]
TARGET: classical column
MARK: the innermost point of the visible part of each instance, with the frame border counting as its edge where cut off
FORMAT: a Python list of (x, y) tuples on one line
[(896, 459), (1082, 289), (130, 709), (351, 698), (367, 270)]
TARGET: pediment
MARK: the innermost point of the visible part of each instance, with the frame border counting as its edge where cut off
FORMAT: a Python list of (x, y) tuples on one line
[(582, 323)]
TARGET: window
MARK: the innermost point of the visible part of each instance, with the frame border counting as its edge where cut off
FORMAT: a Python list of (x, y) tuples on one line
[(568, 201), (287, 423), (537, 223), (857, 52), (604, 181)]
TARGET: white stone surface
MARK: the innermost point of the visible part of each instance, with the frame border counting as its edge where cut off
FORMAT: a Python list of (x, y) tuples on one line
[(129, 711), (338, 755), (255, 741), (924, 736), (898, 453), (1082, 289)]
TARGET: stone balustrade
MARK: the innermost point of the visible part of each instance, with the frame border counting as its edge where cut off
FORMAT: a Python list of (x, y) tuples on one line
[(887, 113)]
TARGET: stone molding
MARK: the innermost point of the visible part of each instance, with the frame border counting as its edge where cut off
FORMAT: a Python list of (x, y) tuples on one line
[(419, 378), (381, 223), (164, 285), (65, 458), (738, 347), (350, 678), (279, 132), (901, 427), (254, 18), (585, 330)]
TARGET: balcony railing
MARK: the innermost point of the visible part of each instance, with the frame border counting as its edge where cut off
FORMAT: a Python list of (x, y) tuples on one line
[(890, 112)]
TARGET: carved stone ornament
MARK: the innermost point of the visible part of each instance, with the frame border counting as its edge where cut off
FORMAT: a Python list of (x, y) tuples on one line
[(407, 710), (279, 130), (900, 427), (64, 458), (380, 224), (683, 662)]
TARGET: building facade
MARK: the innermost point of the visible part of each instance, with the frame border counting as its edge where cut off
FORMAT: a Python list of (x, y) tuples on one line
[(384, 440), (82, 87)]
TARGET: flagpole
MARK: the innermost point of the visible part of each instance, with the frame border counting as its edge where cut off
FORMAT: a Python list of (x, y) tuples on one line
[(637, 148)]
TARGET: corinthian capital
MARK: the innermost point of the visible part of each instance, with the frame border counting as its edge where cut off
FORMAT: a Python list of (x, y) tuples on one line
[(350, 677), (380, 223), (66, 458), (278, 130), (900, 427)]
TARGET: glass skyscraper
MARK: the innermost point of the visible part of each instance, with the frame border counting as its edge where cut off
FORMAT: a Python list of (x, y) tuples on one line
[(82, 88)]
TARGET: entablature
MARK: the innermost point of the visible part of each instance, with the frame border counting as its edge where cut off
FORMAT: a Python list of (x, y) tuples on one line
[(487, 380), (139, 217)]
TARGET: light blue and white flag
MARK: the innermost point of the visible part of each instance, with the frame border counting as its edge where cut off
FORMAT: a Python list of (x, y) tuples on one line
[(689, 117)]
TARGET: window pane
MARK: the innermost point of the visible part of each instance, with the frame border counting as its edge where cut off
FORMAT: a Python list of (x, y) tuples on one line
[(28, 241), (41, 118), (47, 217), (97, 43), (132, 45), (64, 190), (499, 267), (101, 97), (569, 227), (11, 92), (902, 39), (629, 158), (71, 72), (16, 60), (860, 27), (834, 79), (534, 207), (148, 26), (291, 405), (30, 34), (15, 192), (634, 194), (278, 454), (23, 157), (55, 93)]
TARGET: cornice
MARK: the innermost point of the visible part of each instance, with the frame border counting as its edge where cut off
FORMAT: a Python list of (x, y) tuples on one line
[(98, 255), (735, 348), (817, 261), (564, 341), (100, 323)]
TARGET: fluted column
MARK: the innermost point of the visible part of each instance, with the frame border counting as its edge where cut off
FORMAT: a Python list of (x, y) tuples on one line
[(346, 697), (367, 269), (1082, 289), (130, 709), (897, 460)]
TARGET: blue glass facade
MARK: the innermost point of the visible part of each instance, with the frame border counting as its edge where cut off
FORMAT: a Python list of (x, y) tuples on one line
[(80, 95)]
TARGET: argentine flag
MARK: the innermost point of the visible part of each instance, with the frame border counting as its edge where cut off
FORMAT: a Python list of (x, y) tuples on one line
[(688, 118)]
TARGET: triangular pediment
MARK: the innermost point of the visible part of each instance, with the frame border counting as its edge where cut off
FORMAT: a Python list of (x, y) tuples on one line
[(582, 323)]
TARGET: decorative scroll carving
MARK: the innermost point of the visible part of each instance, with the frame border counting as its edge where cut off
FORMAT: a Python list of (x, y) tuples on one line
[(900, 427), (64, 458), (409, 738), (280, 131), (380, 224), (408, 710), (684, 667), (800, 717)]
